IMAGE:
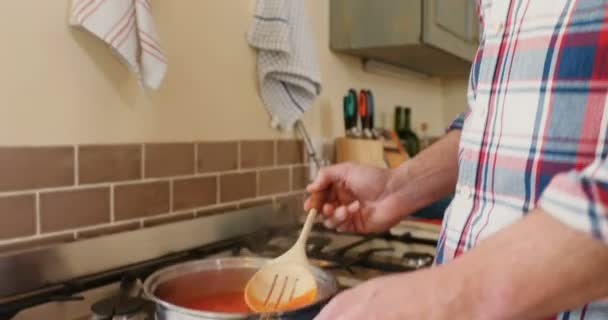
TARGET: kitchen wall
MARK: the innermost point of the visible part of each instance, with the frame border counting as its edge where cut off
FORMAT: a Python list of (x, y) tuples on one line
[(64, 93), (454, 98), (59, 85)]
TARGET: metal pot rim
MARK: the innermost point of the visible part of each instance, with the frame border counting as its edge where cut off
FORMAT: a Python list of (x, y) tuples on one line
[(253, 262)]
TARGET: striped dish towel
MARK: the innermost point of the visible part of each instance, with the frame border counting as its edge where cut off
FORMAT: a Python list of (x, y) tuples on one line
[(288, 68), (128, 28)]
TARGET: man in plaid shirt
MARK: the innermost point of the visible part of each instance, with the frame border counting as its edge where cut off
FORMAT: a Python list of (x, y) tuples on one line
[(526, 236)]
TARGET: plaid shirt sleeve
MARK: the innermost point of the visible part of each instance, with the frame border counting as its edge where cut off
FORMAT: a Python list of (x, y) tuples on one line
[(579, 198), (458, 122)]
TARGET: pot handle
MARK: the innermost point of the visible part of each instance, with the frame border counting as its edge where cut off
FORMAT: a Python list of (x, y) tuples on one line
[(149, 310)]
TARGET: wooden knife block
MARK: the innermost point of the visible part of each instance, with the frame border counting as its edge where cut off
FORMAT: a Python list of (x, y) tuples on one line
[(361, 151)]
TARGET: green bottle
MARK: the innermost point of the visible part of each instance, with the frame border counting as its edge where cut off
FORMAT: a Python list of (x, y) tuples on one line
[(403, 126), (399, 125), (398, 119)]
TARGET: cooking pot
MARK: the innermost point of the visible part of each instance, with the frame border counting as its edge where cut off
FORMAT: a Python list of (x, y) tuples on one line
[(208, 277)]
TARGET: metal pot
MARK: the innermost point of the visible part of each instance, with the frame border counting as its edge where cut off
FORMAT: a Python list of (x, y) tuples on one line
[(224, 275)]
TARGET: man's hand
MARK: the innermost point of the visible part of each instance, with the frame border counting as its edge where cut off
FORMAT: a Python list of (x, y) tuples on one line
[(417, 295), (356, 198), (366, 199)]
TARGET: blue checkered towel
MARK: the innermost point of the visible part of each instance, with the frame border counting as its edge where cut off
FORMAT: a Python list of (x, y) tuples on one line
[(288, 67)]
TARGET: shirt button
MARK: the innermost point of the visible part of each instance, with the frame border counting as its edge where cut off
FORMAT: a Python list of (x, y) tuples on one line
[(466, 192), (500, 27)]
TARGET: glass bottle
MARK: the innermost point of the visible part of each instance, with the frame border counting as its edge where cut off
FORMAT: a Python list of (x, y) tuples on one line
[(411, 143)]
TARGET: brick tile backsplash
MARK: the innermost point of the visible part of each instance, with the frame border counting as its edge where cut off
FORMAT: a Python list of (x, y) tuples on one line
[(169, 159), (109, 163), (273, 181), (300, 177), (109, 229), (38, 242), (290, 152), (257, 154), (58, 194), (294, 204), (171, 218), (72, 209), (217, 156), (194, 193), (237, 186), (23, 168), (17, 216), (141, 200), (255, 203), (216, 210)]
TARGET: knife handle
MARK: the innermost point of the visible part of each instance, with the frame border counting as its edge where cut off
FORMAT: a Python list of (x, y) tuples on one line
[(347, 121), (353, 112), (363, 109), (371, 110)]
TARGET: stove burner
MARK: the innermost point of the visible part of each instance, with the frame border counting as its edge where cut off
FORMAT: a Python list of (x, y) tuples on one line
[(118, 306), (274, 242), (316, 244), (418, 259), (365, 255), (127, 304), (342, 251)]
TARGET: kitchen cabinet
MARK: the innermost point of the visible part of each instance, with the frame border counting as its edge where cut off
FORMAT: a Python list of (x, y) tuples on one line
[(434, 37)]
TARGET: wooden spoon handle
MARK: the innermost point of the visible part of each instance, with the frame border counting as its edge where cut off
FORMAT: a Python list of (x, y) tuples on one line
[(310, 220)]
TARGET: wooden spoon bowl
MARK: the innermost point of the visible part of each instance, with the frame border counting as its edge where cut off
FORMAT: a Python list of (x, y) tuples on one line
[(286, 282)]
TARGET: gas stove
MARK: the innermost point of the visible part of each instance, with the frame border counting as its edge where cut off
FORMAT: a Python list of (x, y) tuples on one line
[(351, 258), (101, 291)]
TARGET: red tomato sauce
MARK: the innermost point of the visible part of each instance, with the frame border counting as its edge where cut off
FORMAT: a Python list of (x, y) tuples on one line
[(297, 302), (233, 302)]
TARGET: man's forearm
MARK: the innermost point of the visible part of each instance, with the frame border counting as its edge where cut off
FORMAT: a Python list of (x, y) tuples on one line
[(429, 176), (535, 268)]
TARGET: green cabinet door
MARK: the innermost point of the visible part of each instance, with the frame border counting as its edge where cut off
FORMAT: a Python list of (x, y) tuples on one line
[(451, 25)]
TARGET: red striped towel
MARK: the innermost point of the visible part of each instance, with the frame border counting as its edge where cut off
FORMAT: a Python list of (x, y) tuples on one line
[(127, 26)]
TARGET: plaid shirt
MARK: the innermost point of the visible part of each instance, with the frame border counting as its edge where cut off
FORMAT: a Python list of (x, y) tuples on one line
[(535, 134)]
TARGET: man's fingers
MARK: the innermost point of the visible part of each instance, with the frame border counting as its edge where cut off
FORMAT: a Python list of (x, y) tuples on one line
[(327, 176), (340, 215), (346, 227), (342, 219), (307, 204), (318, 200), (315, 200), (327, 188), (354, 207), (328, 209), (329, 224), (338, 218), (346, 218)]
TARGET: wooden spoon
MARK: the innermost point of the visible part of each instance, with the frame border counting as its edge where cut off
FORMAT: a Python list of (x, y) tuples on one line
[(286, 282)]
